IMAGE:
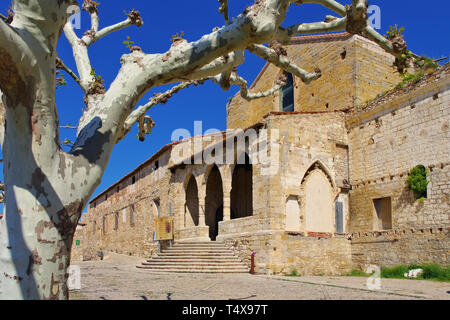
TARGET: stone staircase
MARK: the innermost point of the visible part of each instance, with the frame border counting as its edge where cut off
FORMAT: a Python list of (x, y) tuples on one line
[(196, 257)]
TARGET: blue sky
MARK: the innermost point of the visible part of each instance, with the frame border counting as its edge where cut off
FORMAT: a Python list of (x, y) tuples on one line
[(426, 32)]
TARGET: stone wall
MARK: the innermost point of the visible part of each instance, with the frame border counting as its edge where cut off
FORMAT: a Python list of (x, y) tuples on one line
[(306, 141), (401, 247), (122, 219), (387, 138), (354, 70), (281, 252), (403, 130)]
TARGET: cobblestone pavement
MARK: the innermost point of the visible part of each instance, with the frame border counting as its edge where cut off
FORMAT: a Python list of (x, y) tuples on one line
[(117, 278)]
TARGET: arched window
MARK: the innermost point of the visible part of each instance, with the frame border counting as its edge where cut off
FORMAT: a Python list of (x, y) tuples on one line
[(287, 94)]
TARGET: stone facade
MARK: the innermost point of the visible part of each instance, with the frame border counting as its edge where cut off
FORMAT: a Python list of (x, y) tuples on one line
[(331, 193), (354, 70)]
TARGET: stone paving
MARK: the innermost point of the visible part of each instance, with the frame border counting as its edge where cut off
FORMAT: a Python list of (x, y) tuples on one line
[(117, 278)]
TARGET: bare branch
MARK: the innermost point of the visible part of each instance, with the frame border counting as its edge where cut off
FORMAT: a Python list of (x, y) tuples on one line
[(62, 66), (283, 63), (145, 125), (237, 80), (91, 7), (330, 4), (134, 18), (81, 56), (223, 9), (284, 35), (161, 98)]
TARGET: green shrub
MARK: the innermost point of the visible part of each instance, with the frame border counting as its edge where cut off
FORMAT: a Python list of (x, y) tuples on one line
[(434, 271), (395, 272), (431, 271), (293, 273), (357, 273), (417, 181)]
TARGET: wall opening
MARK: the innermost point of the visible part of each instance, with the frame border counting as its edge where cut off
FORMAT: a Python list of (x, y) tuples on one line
[(242, 190), (214, 202), (287, 94), (339, 216), (191, 217), (104, 225), (292, 214), (132, 216), (116, 221), (383, 213)]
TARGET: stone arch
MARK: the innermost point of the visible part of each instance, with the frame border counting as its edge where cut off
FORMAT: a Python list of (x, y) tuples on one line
[(213, 201), (242, 189), (191, 207), (317, 164), (318, 199)]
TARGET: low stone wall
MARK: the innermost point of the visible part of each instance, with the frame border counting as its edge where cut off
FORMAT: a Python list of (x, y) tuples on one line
[(279, 252), (239, 226), (398, 247), (192, 234)]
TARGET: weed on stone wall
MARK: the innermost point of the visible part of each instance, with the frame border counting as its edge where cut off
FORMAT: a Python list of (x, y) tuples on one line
[(417, 182)]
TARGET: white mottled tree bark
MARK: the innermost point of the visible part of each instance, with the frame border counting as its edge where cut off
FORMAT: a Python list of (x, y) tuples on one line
[(46, 188)]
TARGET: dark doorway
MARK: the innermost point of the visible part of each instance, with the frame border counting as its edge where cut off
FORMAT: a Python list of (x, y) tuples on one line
[(192, 210), (242, 190), (214, 202)]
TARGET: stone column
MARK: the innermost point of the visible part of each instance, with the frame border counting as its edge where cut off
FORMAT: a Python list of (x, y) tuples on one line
[(226, 206), (201, 212)]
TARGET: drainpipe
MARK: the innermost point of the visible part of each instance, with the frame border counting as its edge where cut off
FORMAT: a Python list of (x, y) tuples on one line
[(252, 268)]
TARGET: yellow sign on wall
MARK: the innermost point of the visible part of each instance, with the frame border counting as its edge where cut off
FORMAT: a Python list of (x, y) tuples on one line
[(164, 228)]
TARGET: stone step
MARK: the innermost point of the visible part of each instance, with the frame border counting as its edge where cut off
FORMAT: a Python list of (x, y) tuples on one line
[(198, 264), (197, 268), (196, 254), (150, 269), (198, 248), (199, 244), (196, 257), (216, 252)]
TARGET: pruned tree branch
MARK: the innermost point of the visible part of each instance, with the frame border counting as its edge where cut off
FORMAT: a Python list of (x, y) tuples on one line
[(62, 66), (93, 35), (242, 83), (223, 9), (284, 35), (283, 63), (330, 4)]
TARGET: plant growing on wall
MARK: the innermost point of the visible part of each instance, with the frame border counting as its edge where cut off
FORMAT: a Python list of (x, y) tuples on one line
[(417, 181)]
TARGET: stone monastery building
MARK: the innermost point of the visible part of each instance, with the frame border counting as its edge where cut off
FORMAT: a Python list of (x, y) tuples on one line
[(334, 195)]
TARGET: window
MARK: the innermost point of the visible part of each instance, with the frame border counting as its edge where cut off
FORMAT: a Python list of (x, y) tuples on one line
[(116, 221), (118, 189), (156, 165), (158, 207), (132, 216), (104, 226), (339, 216), (383, 214), (287, 94), (133, 180), (94, 227)]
